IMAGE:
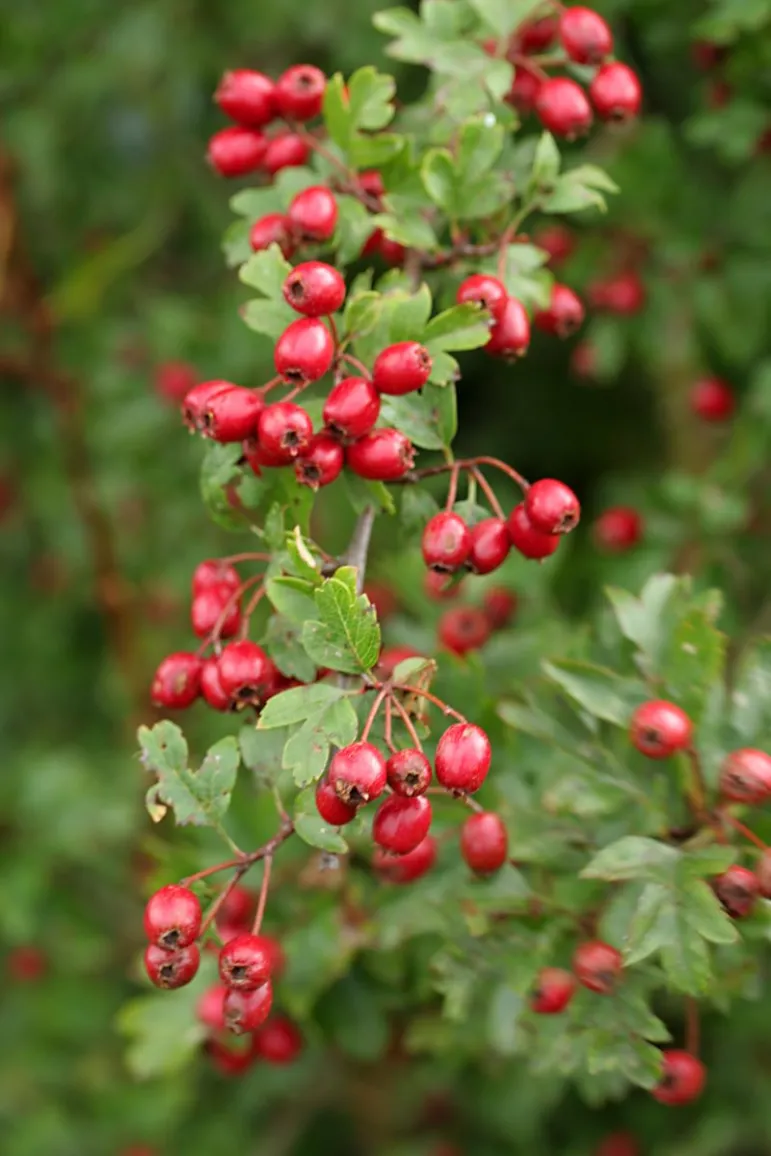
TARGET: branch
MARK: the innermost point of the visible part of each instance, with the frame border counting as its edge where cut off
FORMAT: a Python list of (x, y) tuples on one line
[(358, 547)]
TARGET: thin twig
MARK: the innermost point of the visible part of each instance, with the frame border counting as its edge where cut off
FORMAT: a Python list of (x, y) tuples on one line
[(358, 547), (263, 897)]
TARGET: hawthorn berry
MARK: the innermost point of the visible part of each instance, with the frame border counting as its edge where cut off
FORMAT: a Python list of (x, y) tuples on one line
[(500, 606), (618, 529), (246, 1010), (171, 969), (524, 90), (557, 241), (536, 35), (446, 542), (237, 908), (383, 455), (314, 288), (564, 314), (236, 151), (247, 97), (615, 92), (213, 572), (405, 868), (174, 380), (484, 842), (279, 1041), (285, 431), (463, 756), (623, 294), (245, 671), (304, 352), (552, 507), (441, 587), (401, 823), (272, 229), (371, 182), (408, 772), (26, 963), (211, 687), (198, 398), (401, 368), (712, 400), (286, 150), (463, 629), (321, 463), (229, 1060), (745, 776), (737, 889), (392, 252), (490, 545), (530, 542), (300, 92), (231, 415), (357, 773), (562, 107), (659, 729), (392, 656), (597, 966), (172, 917), (682, 1080), (216, 605), (485, 290), (554, 990), (510, 336), (209, 1010), (352, 408), (177, 681), (331, 807), (313, 213), (244, 962), (585, 36)]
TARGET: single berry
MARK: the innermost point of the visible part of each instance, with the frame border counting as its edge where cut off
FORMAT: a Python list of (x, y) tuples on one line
[(552, 507), (392, 656), (554, 990), (441, 587), (462, 758), (237, 909), (314, 288), (300, 92), (536, 35), (485, 290), (618, 529), (585, 36), (213, 572), (384, 455), (352, 408), (484, 842), (198, 398), (371, 182), (530, 542), (712, 400), (615, 92), (562, 108), (272, 229), (357, 773), (321, 463), (737, 889), (209, 1009), (463, 629), (558, 242), (313, 213), (510, 336), (401, 368), (564, 314), (597, 966), (745, 776), (244, 963), (400, 824), (659, 729), (279, 1041), (245, 672), (216, 606), (236, 151), (177, 680), (231, 415), (247, 97), (446, 542), (331, 808), (229, 1060), (172, 917), (623, 294), (500, 606), (409, 773), (170, 969), (174, 380), (405, 868), (304, 352), (682, 1080), (285, 431), (287, 150), (490, 545), (524, 89), (245, 1011)]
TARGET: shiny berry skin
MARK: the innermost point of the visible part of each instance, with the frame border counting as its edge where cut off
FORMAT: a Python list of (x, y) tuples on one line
[(737, 889), (463, 629), (535, 35), (352, 408), (554, 990), (177, 681), (300, 92), (745, 776), (405, 868), (272, 229), (287, 150), (172, 917), (213, 606), (304, 351), (279, 1041), (209, 1009), (383, 455), (500, 606), (244, 962), (236, 151), (615, 92), (409, 773), (585, 36), (558, 242), (462, 758), (174, 380), (247, 97), (446, 542), (530, 542), (171, 969), (357, 773), (597, 966), (285, 431), (712, 400), (246, 1010), (562, 108), (331, 808), (484, 842), (313, 213), (682, 1079), (213, 572), (237, 909), (552, 507), (232, 414), (245, 671), (314, 288), (510, 336), (400, 824), (564, 315), (321, 463), (618, 529), (659, 729), (401, 368), (623, 294), (490, 545), (482, 289), (524, 89), (198, 398)]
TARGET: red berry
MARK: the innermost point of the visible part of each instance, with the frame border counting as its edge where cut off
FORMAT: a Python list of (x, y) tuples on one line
[(245, 671), (213, 606), (409, 772), (500, 606), (737, 889), (352, 408), (357, 773), (618, 1144), (321, 463), (482, 289), (391, 251), (392, 656), (279, 1041), (231, 415), (490, 545), (285, 431), (247, 97), (462, 758), (712, 400), (659, 729), (585, 36), (683, 1078), (463, 629), (314, 288), (745, 777), (562, 107), (535, 35), (383, 455), (484, 842), (237, 909), (229, 1060), (26, 963), (213, 572), (331, 808), (623, 294), (564, 315), (198, 398), (287, 150), (552, 507), (401, 368), (313, 213), (236, 151), (170, 969), (244, 962), (558, 242), (554, 990), (597, 966), (174, 380), (172, 917), (272, 229), (400, 824), (371, 182), (245, 1011), (530, 542), (406, 868), (440, 587), (583, 360), (618, 529), (446, 542), (510, 337), (615, 92), (524, 89), (304, 352), (177, 680), (300, 92), (209, 1009)]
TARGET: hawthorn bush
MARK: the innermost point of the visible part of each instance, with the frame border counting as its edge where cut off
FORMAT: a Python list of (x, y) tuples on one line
[(473, 848)]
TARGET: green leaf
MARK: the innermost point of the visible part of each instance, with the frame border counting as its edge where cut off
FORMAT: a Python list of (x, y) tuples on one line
[(602, 692), (200, 798), (354, 225), (361, 314), (311, 827), (414, 232), (546, 164), (266, 271), (261, 751), (296, 705), (503, 1015), (479, 147), (222, 483), (503, 16), (338, 117), (347, 635), (461, 327), (268, 317), (371, 95), (292, 597), (416, 415), (751, 696), (647, 621), (693, 660), (439, 178), (363, 493), (282, 642), (307, 751), (581, 188), (632, 857), (162, 1031)]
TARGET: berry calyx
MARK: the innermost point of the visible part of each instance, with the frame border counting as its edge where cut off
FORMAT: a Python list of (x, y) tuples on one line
[(272, 229), (463, 756), (300, 92), (401, 368), (737, 890), (314, 288), (197, 399), (358, 773), (408, 772), (245, 962), (172, 917), (331, 807), (564, 314), (279, 1042), (207, 610), (304, 351), (213, 572), (562, 108), (236, 151), (400, 824), (554, 990), (247, 97), (712, 400), (745, 776), (463, 629), (682, 1080), (384, 455), (446, 542), (321, 463), (510, 336), (597, 966), (585, 36), (489, 546), (231, 415), (659, 729), (284, 431), (352, 408), (530, 542), (552, 507), (313, 213), (405, 868), (171, 969), (618, 529), (615, 92), (177, 681), (500, 606), (484, 842), (287, 150), (485, 290), (245, 672)]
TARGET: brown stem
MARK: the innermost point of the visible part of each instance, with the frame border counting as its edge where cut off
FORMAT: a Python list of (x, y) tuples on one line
[(263, 898), (698, 793), (692, 1026), (382, 694), (444, 707), (727, 817), (488, 491), (358, 547), (244, 862), (407, 722)]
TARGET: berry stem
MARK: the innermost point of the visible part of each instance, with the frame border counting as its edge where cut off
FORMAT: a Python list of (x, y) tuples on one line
[(488, 491), (245, 861), (697, 796), (251, 607), (263, 897), (389, 725), (379, 697), (245, 557), (357, 365), (402, 712), (216, 905), (444, 707), (452, 489), (213, 638), (737, 825), (692, 1026)]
